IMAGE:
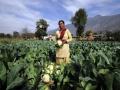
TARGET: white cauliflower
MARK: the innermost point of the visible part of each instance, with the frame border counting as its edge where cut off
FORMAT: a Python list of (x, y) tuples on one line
[(46, 78), (59, 42), (49, 69), (58, 72)]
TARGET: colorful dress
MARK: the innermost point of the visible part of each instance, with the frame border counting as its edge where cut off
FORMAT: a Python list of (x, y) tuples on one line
[(63, 53)]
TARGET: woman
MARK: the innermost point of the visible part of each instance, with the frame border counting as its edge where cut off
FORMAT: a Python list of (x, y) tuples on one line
[(63, 35)]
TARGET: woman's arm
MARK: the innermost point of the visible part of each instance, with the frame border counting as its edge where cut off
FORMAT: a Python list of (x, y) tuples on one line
[(69, 36), (57, 35)]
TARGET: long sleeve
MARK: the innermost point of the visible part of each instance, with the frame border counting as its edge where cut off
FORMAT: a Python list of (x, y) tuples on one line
[(57, 35), (64, 52), (69, 36)]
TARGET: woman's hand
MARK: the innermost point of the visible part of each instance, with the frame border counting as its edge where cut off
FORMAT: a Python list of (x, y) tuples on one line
[(64, 41)]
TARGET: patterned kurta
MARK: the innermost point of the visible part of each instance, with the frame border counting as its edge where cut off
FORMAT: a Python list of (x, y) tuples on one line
[(64, 51)]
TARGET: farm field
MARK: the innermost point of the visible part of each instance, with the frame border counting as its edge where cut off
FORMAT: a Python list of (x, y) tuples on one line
[(30, 65)]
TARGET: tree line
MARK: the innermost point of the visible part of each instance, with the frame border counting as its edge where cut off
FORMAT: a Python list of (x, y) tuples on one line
[(79, 20)]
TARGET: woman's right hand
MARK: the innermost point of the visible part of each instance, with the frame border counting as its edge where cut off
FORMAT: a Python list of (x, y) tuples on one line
[(64, 41)]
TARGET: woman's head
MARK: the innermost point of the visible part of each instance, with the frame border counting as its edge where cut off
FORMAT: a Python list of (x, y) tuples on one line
[(61, 21), (61, 24)]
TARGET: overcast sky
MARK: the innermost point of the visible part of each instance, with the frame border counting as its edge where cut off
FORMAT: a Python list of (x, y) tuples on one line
[(18, 14)]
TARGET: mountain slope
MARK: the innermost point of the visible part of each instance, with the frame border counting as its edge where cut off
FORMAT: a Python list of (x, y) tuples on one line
[(97, 24)]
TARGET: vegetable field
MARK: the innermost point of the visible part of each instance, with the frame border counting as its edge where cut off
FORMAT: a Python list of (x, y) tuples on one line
[(30, 65)]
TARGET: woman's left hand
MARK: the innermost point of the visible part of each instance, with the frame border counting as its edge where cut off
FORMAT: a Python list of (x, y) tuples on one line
[(64, 41)]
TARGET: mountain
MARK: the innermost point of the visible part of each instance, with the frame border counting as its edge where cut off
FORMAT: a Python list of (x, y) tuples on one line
[(98, 24), (103, 23)]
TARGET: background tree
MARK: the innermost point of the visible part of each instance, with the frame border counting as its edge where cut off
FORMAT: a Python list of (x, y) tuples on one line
[(8, 35), (108, 35), (79, 21), (25, 30), (41, 26), (25, 33), (16, 34), (116, 36), (2, 35)]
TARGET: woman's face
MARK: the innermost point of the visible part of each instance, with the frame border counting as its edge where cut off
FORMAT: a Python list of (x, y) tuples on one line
[(61, 25)]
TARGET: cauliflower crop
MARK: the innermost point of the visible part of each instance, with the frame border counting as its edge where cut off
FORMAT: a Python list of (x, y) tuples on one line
[(46, 78), (59, 42)]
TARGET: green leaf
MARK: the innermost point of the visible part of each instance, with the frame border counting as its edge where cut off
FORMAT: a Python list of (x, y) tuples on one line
[(90, 87), (103, 71), (66, 79), (14, 72), (109, 81), (44, 87), (17, 82), (104, 57), (2, 72)]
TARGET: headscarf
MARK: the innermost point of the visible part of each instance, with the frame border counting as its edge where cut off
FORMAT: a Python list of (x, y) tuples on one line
[(62, 29)]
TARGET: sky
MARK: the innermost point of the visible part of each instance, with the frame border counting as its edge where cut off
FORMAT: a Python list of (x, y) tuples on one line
[(18, 14)]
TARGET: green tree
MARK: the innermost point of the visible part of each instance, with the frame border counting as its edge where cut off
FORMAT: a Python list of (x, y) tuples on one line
[(116, 35), (25, 30), (41, 28), (2, 35), (8, 35), (108, 35), (79, 20), (16, 34)]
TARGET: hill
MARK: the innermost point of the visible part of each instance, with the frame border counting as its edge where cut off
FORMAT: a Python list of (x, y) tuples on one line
[(98, 24)]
